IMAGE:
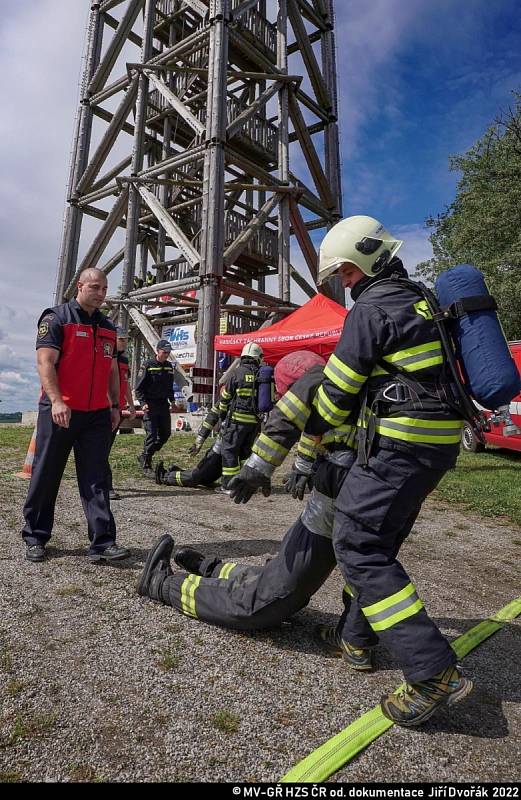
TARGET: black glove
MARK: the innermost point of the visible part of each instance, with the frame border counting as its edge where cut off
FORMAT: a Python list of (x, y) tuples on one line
[(296, 484), (246, 483), (194, 449)]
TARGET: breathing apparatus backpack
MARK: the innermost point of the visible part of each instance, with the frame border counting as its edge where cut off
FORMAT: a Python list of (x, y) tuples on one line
[(265, 389), (481, 369)]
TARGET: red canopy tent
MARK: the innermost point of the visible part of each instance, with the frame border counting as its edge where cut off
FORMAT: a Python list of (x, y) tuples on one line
[(315, 326)]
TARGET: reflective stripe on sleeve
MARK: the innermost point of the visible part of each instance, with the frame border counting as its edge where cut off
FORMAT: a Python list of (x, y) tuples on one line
[(269, 450), (294, 409), (330, 412), (388, 612), (343, 376)]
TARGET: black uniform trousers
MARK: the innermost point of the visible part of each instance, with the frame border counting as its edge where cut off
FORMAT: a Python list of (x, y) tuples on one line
[(375, 511), (206, 473), (245, 597), (89, 434), (112, 440), (157, 423), (237, 441)]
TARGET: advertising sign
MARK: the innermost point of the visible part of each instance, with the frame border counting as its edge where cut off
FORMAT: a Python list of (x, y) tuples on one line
[(182, 339)]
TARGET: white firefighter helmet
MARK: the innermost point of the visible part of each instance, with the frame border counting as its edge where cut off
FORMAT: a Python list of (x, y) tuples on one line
[(252, 350), (362, 241)]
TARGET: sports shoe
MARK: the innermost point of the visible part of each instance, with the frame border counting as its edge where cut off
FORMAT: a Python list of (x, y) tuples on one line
[(359, 658), (416, 702), (159, 473), (189, 560), (111, 553), (157, 569), (35, 552), (113, 495)]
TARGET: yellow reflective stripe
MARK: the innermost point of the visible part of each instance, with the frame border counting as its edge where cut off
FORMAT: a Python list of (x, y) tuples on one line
[(294, 409), (410, 611), (415, 358), (231, 470), (238, 416), (226, 569), (178, 480), (188, 589), (269, 450), (393, 609), (307, 447), (245, 392), (343, 376), (225, 395), (328, 410), (344, 434), (420, 430), (348, 590)]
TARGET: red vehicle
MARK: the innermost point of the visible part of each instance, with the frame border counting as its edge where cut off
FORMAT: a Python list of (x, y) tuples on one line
[(495, 436)]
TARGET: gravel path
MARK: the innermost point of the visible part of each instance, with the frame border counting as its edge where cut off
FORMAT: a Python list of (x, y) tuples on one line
[(98, 684)]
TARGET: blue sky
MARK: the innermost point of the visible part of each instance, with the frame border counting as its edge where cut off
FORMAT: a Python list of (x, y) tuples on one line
[(419, 80)]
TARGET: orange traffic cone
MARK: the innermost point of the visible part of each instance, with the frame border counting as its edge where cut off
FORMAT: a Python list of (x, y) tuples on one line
[(27, 468)]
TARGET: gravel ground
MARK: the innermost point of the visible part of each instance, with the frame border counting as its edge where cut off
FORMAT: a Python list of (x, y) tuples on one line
[(98, 684)]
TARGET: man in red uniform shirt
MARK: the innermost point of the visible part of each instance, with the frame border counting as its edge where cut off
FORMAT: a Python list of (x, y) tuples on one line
[(78, 409)]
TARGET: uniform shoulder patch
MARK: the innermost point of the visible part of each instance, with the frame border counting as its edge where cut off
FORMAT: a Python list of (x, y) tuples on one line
[(43, 329)]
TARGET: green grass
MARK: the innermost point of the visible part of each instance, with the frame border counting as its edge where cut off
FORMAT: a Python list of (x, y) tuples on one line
[(14, 442), (485, 483), (226, 721)]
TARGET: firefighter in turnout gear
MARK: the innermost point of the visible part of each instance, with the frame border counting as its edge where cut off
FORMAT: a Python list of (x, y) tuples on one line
[(209, 468), (390, 364), (247, 597), (239, 415), (154, 390)]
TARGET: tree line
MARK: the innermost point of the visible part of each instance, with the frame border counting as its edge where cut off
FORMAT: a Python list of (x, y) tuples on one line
[(482, 226)]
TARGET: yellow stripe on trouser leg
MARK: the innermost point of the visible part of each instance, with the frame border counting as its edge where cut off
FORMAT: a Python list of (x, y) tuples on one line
[(188, 589), (226, 569), (343, 747), (393, 609)]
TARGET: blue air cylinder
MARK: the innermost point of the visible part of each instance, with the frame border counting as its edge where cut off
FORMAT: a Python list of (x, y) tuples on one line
[(265, 389), (489, 370)]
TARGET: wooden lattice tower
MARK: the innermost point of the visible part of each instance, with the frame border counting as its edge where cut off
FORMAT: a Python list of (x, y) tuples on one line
[(194, 121)]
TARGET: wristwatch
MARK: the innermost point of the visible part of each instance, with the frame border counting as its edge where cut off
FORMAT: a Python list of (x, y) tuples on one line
[(116, 405)]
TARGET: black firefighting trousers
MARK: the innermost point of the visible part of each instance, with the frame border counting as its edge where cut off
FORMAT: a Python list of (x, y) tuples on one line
[(206, 473), (89, 434), (246, 597), (157, 423), (375, 510), (237, 441)]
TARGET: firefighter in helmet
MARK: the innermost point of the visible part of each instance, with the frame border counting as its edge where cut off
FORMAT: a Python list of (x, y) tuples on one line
[(239, 413)]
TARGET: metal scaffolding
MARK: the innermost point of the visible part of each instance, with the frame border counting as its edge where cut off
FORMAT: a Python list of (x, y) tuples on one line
[(206, 137)]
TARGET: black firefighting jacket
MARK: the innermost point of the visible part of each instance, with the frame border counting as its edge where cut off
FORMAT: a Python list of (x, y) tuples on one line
[(155, 382)]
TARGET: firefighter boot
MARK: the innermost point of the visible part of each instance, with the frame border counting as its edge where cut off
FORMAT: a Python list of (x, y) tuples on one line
[(414, 703), (188, 559), (157, 569), (359, 658), (160, 472)]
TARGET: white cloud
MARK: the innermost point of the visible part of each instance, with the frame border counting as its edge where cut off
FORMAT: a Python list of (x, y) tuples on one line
[(416, 246), (13, 377)]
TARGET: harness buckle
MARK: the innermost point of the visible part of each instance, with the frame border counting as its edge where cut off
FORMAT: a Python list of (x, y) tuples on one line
[(402, 393)]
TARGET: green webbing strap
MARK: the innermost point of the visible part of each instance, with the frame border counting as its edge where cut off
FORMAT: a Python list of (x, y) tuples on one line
[(343, 747)]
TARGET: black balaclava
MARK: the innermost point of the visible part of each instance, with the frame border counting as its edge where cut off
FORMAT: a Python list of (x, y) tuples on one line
[(394, 267)]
